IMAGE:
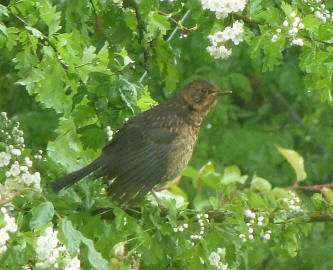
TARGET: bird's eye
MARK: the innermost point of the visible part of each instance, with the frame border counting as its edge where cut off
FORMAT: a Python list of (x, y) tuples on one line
[(204, 91)]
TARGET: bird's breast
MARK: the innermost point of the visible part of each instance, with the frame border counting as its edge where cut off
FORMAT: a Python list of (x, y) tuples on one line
[(180, 150)]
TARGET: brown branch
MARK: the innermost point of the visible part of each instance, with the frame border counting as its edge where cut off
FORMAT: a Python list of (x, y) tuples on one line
[(324, 215), (184, 29), (314, 187)]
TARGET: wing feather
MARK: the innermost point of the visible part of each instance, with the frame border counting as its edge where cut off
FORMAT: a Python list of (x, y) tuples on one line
[(137, 161)]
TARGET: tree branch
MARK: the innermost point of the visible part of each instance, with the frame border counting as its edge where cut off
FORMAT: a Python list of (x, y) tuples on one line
[(313, 187), (179, 24)]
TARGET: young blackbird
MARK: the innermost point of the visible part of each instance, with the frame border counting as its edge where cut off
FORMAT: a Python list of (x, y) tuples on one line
[(152, 147)]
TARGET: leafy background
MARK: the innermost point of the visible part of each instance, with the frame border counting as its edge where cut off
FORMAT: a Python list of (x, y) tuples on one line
[(69, 69)]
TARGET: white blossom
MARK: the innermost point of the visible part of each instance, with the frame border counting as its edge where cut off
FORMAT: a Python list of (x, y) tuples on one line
[(300, 43), (4, 159), (48, 251), (9, 227), (109, 133), (217, 49), (223, 8), (14, 170), (28, 162), (219, 52), (15, 152), (267, 236), (247, 213), (72, 263), (214, 258)]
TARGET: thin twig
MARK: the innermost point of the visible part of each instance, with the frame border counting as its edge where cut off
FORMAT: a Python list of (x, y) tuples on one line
[(94, 8), (246, 19), (294, 115), (169, 38), (313, 187), (20, 192), (14, 4)]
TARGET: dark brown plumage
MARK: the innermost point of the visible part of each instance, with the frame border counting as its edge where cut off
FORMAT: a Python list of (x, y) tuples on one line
[(152, 147)]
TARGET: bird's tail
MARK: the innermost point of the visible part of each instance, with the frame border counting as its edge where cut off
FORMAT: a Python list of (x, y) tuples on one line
[(72, 178)]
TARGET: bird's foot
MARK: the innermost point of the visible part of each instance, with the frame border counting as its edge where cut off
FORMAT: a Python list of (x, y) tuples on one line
[(158, 201)]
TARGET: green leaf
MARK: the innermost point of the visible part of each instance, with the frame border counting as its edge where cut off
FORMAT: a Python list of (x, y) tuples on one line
[(35, 32), (253, 8), (146, 6), (212, 179), (70, 236), (145, 102), (3, 29), (93, 257), (256, 45), (52, 91), (175, 189), (260, 184), (295, 160), (3, 11), (50, 16), (232, 175), (242, 84), (84, 114), (191, 172), (171, 78), (126, 59), (318, 201), (273, 52), (311, 23), (42, 215), (328, 192), (74, 239), (287, 8), (271, 15), (208, 167), (67, 147), (172, 200), (325, 32), (159, 22)]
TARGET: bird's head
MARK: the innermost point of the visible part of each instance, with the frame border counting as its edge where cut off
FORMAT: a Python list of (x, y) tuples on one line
[(201, 95)]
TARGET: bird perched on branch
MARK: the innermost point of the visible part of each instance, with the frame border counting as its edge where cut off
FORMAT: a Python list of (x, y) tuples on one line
[(152, 147)]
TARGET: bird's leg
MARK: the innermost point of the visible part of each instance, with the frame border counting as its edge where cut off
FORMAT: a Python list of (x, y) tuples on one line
[(159, 203), (166, 186)]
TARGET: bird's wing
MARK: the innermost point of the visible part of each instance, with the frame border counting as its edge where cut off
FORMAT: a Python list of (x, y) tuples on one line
[(137, 160)]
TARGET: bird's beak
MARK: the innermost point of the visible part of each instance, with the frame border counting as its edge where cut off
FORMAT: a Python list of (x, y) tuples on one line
[(221, 92)]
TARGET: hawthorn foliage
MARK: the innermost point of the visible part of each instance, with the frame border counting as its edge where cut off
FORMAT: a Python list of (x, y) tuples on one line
[(256, 194)]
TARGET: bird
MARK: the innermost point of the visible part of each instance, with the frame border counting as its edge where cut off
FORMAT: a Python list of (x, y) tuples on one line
[(152, 147)]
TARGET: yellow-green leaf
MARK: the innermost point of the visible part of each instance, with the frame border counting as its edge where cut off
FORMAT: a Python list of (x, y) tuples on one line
[(328, 193), (260, 184), (295, 160)]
